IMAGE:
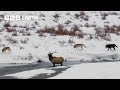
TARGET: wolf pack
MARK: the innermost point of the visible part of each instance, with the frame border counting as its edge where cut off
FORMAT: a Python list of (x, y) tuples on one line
[(76, 46), (108, 46), (60, 60)]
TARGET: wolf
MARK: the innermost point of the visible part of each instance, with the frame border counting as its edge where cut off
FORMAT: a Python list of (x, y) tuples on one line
[(6, 49), (110, 46), (79, 45)]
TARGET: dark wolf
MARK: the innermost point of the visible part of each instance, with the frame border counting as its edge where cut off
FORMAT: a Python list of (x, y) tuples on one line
[(110, 46)]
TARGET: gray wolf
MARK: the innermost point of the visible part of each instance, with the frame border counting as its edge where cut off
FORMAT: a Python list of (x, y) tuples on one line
[(5, 49), (79, 46)]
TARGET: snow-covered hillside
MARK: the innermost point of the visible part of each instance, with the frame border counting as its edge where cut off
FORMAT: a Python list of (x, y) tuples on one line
[(59, 31)]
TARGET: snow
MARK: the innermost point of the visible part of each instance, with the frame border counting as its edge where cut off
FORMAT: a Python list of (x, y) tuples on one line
[(51, 44), (106, 70), (5, 59), (91, 71), (36, 47), (30, 74)]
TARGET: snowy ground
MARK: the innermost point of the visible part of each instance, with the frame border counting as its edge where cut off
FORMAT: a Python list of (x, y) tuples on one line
[(30, 74), (91, 71), (106, 70), (95, 49)]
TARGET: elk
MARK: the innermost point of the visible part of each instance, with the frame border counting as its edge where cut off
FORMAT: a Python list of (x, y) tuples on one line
[(55, 60)]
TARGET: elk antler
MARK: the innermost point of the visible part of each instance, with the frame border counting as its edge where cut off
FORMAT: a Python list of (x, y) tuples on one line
[(55, 51), (52, 52)]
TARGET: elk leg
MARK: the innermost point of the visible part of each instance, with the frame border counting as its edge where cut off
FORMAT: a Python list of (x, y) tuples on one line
[(53, 64)]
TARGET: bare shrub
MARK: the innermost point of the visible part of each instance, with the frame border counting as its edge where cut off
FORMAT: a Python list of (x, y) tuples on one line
[(24, 41), (35, 46), (7, 24), (2, 29), (67, 13), (55, 20), (36, 23), (27, 28), (14, 34), (76, 28), (77, 16), (86, 18), (21, 26), (12, 41), (90, 37), (103, 34), (15, 25), (104, 15), (71, 33), (11, 30), (87, 25), (82, 13), (62, 43), (42, 15), (24, 34), (108, 38), (41, 34), (60, 30), (113, 29), (71, 41), (100, 32), (50, 30), (39, 31), (2, 45), (117, 33), (80, 25), (93, 25), (39, 61), (56, 16), (68, 22), (53, 34), (30, 57), (1, 17), (113, 13), (81, 35), (28, 34), (22, 31), (60, 27), (21, 47)]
